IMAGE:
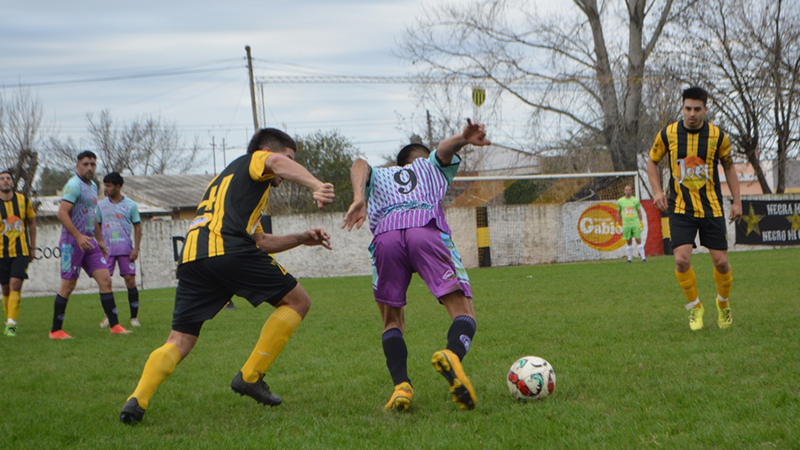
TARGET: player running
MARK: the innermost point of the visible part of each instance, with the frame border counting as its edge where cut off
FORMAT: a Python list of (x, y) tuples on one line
[(221, 259), (404, 206)]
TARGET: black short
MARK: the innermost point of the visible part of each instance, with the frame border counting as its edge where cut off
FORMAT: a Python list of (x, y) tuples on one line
[(14, 268), (207, 285), (713, 231)]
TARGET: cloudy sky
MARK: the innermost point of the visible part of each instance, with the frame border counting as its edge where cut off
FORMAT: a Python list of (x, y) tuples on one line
[(185, 62)]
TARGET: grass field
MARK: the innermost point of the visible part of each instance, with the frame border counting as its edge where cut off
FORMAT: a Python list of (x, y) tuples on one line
[(630, 372)]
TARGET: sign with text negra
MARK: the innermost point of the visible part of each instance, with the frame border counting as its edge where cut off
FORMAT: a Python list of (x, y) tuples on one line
[(767, 222)]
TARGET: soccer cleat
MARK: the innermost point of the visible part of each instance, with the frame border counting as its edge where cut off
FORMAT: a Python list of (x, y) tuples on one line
[(724, 317), (644, 260), (104, 323), (258, 390), (135, 322), (131, 412), (696, 318), (118, 329), (11, 330), (447, 363), (401, 398), (59, 335)]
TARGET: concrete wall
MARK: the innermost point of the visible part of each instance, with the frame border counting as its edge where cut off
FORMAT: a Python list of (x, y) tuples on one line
[(519, 235)]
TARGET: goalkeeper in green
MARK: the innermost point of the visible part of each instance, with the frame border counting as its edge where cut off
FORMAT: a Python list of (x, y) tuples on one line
[(629, 213)]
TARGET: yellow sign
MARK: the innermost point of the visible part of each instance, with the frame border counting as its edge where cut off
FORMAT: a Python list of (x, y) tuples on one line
[(478, 96)]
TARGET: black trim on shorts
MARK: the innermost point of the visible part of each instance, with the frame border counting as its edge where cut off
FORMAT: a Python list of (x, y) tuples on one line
[(16, 267), (205, 286), (684, 228)]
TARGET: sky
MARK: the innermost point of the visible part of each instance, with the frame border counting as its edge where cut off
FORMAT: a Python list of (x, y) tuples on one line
[(185, 62)]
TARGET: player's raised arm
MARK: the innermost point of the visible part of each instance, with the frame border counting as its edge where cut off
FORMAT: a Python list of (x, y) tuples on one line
[(473, 133), (357, 213), (286, 168)]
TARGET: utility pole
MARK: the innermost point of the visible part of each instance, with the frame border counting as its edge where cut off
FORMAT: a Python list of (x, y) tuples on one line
[(252, 89), (430, 131), (214, 154), (224, 161)]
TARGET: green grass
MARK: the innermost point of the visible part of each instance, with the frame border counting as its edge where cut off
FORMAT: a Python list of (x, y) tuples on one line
[(630, 372)]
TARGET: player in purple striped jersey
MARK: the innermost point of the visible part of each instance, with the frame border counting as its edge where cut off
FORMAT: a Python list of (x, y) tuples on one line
[(404, 207)]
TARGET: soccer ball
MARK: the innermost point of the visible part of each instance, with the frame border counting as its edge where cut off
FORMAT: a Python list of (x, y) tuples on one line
[(531, 378)]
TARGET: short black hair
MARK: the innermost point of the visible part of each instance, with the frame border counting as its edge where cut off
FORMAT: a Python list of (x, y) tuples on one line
[(273, 138), (86, 154), (405, 152), (10, 172), (114, 178), (695, 93)]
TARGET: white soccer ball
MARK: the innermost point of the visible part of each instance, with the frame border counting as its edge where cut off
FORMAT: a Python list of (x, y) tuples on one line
[(531, 378)]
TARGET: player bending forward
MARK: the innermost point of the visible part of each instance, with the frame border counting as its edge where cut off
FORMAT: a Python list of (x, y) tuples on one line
[(404, 206), (221, 259)]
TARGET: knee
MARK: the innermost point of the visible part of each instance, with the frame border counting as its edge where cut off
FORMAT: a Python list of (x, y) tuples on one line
[(298, 300)]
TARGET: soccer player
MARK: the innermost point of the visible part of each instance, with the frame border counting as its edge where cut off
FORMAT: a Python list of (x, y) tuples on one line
[(631, 228), (221, 258), (118, 216), (82, 246), (405, 213), (17, 247), (695, 149)]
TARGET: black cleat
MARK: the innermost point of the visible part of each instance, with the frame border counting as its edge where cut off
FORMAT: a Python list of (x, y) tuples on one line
[(258, 390), (131, 412)]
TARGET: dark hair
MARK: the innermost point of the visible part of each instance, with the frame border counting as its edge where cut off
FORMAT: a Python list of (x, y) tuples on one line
[(696, 93), (86, 154), (273, 138), (9, 172), (405, 152), (113, 178)]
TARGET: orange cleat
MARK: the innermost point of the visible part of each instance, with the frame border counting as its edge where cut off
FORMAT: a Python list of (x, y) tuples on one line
[(118, 329), (59, 335)]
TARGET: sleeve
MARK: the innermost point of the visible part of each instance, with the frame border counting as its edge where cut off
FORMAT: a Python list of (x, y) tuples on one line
[(449, 171), (368, 187), (724, 150), (71, 191), (638, 204), (257, 167), (259, 228), (29, 212), (619, 205), (134, 213), (659, 146), (97, 214)]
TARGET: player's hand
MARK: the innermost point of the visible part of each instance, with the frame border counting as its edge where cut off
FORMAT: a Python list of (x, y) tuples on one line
[(475, 133), (356, 215), (660, 200), (103, 249), (736, 211), (134, 255), (85, 243), (323, 195), (33, 254), (641, 225), (317, 236)]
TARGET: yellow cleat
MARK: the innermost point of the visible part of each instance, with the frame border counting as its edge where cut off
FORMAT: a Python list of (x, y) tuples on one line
[(447, 363), (696, 318), (724, 317), (401, 398)]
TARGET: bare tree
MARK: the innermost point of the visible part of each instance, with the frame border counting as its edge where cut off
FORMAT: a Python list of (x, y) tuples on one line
[(569, 65), (22, 136)]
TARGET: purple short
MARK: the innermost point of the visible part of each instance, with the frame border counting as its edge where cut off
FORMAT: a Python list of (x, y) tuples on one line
[(73, 259), (126, 267), (397, 254)]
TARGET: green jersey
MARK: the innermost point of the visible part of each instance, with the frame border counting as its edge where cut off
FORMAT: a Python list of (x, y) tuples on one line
[(628, 208)]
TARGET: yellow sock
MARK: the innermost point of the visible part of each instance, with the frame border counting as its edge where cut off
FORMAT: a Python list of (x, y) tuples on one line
[(724, 282), (278, 328), (159, 366), (13, 306), (5, 306), (688, 282)]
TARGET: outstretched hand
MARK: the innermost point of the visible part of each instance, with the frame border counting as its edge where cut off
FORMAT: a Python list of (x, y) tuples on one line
[(323, 195), (316, 236), (475, 133), (356, 215)]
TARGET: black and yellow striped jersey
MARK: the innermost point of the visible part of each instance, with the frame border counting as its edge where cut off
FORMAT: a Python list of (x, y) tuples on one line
[(694, 156), (230, 211), (15, 214)]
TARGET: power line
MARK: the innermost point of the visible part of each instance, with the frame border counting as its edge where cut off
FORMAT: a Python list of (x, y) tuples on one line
[(122, 77)]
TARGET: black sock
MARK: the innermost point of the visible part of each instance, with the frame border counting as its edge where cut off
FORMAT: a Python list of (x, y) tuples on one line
[(460, 334), (59, 308), (107, 300), (394, 347), (133, 299)]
